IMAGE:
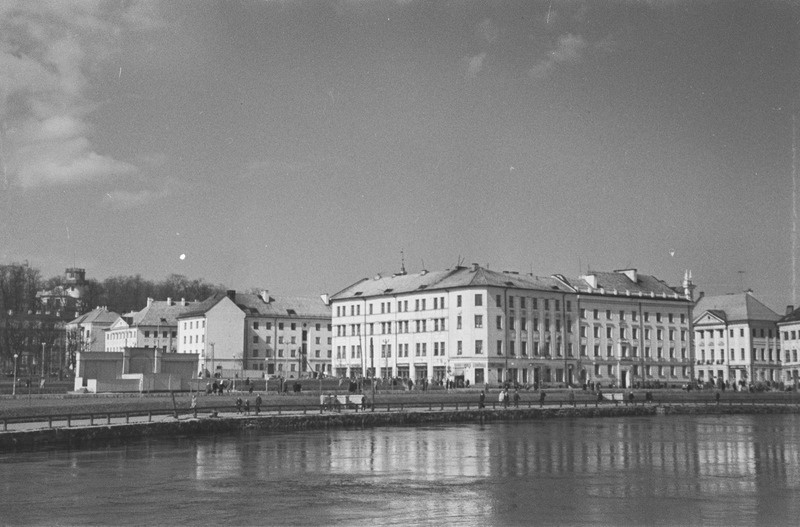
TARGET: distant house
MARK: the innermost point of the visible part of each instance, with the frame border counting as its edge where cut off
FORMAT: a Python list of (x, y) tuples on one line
[(736, 340), (88, 331), (155, 326), (244, 334)]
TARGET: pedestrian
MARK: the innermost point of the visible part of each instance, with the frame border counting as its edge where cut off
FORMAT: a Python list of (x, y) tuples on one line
[(250, 390), (716, 396), (482, 400), (505, 397), (238, 405), (542, 396), (572, 398), (247, 407), (516, 398), (258, 404), (208, 388), (193, 405)]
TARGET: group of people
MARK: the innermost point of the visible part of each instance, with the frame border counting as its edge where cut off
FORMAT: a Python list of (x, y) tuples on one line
[(245, 407)]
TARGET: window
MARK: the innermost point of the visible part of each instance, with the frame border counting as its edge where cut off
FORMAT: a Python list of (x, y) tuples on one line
[(499, 322), (478, 299), (478, 321), (609, 332), (499, 347), (255, 339), (498, 300), (478, 347), (582, 314), (146, 334), (608, 314), (458, 301), (458, 322), (255, 325), (596, 314), (459, 348)]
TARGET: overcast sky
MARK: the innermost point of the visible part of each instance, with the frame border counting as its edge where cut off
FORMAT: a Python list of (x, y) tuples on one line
[(300, 146)]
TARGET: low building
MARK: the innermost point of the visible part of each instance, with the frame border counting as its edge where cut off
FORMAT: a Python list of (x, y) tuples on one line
[(253, 335), (737, 340), (155, 326)]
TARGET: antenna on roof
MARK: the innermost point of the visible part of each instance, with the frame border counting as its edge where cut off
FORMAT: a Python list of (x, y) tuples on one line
[(423, 263), (402, 262)]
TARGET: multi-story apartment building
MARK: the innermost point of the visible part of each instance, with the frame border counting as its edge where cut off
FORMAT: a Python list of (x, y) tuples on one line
[(155, 326), (257, 334), (789, 328), (736, 340), (635, 330), (473, 324)]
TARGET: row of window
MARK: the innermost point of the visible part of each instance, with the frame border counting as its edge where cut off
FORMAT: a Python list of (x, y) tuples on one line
[(634, 315), (292, 339), (754, 332), (293, 353), (634, 333), (763, 354), (292, 326)]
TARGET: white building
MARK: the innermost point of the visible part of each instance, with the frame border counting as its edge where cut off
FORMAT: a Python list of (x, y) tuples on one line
[(737, 340), (88, 331), (789, 328), (155, 326), (635, 330), (473, 324), (256, 335)]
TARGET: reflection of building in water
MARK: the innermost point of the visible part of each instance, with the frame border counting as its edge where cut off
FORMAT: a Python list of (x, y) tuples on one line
[(216, 460)]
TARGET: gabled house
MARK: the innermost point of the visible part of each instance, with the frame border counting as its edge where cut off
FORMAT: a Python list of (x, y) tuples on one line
[(155, 326)]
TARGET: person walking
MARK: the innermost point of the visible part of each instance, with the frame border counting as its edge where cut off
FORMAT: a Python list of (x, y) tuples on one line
[(247, 407), (482, 400), (516, 398), (238, 405), (542, 396), (258, 404)]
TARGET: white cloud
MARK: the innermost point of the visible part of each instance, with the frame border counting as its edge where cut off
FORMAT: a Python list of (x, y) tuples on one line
[(474, 65), (46, 49), (568, 50)]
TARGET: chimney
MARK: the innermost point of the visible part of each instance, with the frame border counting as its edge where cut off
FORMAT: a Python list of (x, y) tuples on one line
[(183, 301), (325, 299), (231, 294), (474, 267), (789, 309), (169, 300), (265, 295), (701, 294), (149, 301)]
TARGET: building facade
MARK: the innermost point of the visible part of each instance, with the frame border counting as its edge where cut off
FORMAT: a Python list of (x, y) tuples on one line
[(247, 335), (789, 328), (481, 326), (155, 326), (88, 331), (737, 340)]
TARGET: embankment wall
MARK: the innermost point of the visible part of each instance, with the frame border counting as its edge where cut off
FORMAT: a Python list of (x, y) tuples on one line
[(99, 434)]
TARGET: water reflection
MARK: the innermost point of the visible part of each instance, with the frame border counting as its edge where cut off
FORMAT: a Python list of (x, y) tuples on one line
[(729, 470)]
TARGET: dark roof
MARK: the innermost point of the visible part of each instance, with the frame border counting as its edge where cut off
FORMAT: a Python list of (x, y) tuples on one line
[(620, 284), (254, 305)]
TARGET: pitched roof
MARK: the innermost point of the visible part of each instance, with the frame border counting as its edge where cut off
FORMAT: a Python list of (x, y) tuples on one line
[(98, 315), (735, 307), (447, 279), (618, 282), (159, 313), (254, 305), (794, 316)]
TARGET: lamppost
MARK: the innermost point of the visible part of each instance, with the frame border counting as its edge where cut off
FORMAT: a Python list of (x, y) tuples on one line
[(14, 387), (42, 367)]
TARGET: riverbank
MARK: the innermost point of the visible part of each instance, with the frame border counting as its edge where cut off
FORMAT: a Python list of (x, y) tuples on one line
[(84, 436)]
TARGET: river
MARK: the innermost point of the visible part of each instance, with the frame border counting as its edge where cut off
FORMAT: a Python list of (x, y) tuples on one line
[(673, 470)]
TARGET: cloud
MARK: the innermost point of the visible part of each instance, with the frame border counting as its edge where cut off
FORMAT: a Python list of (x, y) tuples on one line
[(474, 65), (46, 52), (568, 50)]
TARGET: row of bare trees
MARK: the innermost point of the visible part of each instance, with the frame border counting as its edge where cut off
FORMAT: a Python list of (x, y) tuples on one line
[(38, 337)]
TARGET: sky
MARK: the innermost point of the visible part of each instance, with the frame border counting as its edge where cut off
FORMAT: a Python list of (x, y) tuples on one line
[(300, 146)]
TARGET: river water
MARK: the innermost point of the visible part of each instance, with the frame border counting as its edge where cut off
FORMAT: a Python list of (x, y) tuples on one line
[(674, 470)]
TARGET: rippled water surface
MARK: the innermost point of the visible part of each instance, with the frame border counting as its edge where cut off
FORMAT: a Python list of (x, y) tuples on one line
[(732, 470)]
